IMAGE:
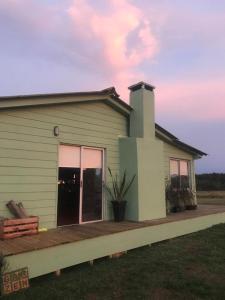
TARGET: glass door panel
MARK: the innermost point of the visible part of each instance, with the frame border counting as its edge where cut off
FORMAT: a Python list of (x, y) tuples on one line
[(68, 185), (69, 156), (92, 175), (68, 196)]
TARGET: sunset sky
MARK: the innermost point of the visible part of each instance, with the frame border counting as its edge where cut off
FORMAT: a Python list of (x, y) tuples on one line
[(79, 45)]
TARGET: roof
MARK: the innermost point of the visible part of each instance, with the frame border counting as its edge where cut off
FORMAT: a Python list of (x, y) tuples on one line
[(173, 140), (108, 95), (107, 91)]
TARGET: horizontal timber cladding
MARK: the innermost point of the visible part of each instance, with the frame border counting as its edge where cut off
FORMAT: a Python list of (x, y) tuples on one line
[(29, 150)]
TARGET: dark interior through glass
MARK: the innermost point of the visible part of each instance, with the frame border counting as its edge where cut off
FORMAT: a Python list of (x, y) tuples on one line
[(175, 181), (68, 196), (92, 194)]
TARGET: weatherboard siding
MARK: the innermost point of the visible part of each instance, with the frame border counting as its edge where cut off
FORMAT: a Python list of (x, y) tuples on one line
[(29, 150)]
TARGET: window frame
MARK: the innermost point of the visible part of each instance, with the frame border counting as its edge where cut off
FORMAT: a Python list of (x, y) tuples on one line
[(189, 168)]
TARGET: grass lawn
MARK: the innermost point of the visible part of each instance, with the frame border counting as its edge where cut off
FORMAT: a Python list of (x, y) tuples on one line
[(189, 267), (211, 197)]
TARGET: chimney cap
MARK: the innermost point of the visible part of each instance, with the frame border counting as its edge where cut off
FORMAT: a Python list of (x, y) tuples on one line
[(141, 85)]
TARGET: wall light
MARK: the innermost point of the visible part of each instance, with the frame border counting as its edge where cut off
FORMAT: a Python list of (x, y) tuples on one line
[(56, 131)]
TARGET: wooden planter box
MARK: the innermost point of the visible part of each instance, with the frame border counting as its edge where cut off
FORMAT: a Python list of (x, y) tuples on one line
[(12, 228)]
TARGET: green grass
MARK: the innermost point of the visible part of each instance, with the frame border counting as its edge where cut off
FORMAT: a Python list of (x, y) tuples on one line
[(211, 201), (211, 197), (189, 267)]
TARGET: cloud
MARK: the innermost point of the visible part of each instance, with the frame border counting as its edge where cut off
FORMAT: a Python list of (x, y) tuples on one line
[(111, 43), (112, 30), (116, 43), (193, 99), (31, 15)]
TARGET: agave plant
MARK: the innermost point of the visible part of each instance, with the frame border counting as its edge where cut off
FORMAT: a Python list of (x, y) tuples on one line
[(119, 188)]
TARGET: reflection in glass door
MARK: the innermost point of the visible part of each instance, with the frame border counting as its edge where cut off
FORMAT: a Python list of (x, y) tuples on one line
[(92, 177)]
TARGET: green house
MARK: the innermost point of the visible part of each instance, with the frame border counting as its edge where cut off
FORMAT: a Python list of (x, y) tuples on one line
[(54, 153), (55, 150)]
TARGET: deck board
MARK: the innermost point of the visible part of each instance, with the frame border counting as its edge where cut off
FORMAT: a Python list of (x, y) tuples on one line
[(75, 233)]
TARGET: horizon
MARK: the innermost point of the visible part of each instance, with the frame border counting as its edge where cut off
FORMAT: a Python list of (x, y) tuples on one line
[(178, 47)]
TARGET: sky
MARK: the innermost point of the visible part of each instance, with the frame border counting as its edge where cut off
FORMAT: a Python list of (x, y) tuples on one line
[(79, 45)]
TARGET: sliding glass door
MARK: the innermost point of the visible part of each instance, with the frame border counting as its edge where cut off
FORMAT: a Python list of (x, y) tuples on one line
[(92, 165), (80, 178)]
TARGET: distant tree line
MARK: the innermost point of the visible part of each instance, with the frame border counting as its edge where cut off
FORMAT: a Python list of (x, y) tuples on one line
[(210, 182)]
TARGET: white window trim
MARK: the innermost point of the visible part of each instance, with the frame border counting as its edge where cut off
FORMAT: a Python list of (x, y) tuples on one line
[(189, 169)]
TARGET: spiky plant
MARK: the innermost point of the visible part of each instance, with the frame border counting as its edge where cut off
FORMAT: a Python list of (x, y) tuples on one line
[(119, 188)]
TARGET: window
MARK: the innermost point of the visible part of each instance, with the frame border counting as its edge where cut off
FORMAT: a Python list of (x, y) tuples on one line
[(180, 173)]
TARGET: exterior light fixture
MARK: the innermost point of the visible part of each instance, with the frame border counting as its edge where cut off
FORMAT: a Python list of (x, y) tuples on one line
[(56, 131)]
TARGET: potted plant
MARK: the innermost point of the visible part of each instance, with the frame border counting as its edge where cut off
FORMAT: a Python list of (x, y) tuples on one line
[(175, 198), (117, 193), (190, 200), (172, 197)]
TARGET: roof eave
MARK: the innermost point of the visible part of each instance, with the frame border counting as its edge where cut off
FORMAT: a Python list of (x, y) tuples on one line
[(170, 139), (108, 95), (191, 149)]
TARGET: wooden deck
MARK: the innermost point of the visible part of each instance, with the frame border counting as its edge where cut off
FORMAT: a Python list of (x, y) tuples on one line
[(75, 233)]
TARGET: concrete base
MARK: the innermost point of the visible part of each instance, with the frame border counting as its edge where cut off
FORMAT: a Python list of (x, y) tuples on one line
[(144, 158)]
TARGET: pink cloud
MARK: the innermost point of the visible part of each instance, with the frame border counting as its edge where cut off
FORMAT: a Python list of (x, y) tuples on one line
[(112, 30), (202, 99), (112, 42), (108, 46)]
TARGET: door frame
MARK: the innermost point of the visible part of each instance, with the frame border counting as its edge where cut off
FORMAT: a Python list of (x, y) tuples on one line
[(82, 147)]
